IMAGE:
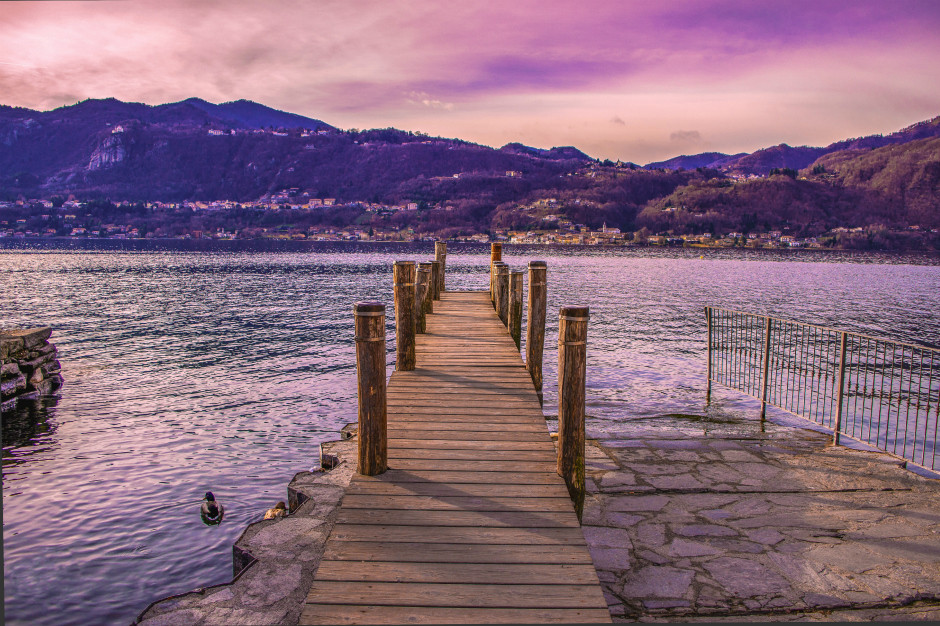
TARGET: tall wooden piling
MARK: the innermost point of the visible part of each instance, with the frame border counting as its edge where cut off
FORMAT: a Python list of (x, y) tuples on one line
[(370, 374), (435, 280), (515, 306), (440, 254), (422, 284), (404, 276), (572, 364), (502, 292), (429, 299), (535, 325), (496, 255)]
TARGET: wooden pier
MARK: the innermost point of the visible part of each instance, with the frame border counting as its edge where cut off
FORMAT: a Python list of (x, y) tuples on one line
[(471, 522)]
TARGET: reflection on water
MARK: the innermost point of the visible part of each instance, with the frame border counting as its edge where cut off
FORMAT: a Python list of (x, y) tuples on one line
[(195, 367), (29, 429)]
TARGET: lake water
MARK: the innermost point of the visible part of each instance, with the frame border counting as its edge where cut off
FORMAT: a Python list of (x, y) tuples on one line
[(220, 366)]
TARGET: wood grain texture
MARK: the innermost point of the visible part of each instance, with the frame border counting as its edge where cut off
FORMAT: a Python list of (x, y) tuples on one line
[(535, 328), (471, 522), (404, 276), (422, 284), (370, 374), (572, 363), (340, 614)]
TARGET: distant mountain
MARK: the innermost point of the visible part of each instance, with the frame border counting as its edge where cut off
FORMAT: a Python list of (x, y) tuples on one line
[(248, 114), (777, 157), (238, 150), (243, 151), (690, 162), (762, 161), (903, 177), (553, 154)]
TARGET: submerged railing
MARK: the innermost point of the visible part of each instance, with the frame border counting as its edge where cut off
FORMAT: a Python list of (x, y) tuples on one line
[(883, 393)]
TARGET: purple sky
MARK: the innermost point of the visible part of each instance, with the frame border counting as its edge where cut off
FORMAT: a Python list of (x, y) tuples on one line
[(638, 81)]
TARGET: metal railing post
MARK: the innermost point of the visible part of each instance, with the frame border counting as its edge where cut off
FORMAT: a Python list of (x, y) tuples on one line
[(708, 366), (838, 425), (765, 370)]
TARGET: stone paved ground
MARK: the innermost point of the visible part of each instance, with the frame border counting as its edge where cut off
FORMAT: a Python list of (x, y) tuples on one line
[(742, 522)]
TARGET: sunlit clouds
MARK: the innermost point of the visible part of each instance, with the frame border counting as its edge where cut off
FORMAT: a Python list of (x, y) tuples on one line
[(634, 81)]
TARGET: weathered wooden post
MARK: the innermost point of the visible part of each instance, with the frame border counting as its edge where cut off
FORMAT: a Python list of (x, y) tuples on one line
[(440, 254), (429, 300), (502, 292), (435, 280), (515, 307), (494, 269), (404, 276), (535, 331), (572, 364), (422, 283), (496, 255), (370, 374)]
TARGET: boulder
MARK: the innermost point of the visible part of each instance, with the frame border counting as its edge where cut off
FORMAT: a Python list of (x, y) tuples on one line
[(10, 370), (11, 347), (12, 386), (31, 337)]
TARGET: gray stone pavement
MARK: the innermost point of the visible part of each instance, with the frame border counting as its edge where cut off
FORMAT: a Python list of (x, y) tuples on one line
[(742, 522)]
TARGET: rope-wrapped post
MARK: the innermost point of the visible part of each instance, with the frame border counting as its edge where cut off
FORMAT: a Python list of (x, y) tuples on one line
[(404, 276), (440, 254), (429, 299), (422, 284), (496, 255), (435, 280), (535, 326), (370, 374), (572, 364), (502, 292), (515, 307)]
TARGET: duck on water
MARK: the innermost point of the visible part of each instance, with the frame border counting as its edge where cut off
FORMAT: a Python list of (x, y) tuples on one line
[(211, 511)]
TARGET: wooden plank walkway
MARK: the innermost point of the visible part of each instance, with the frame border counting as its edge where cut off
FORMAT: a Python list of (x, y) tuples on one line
[(471, 523)]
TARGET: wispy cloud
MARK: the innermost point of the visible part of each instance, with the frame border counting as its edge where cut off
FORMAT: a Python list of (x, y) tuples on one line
[(686, 137)]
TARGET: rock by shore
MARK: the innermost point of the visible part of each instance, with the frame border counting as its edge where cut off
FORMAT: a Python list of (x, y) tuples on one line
[(29, 366), (274, 560)]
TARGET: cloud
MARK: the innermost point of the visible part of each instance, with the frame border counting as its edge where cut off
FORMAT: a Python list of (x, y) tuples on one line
[(424, 99), (686, 136), (743, 75)]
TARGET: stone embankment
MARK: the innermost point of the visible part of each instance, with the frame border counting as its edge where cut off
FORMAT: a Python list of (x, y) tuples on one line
[(274, 560), (29, 367)]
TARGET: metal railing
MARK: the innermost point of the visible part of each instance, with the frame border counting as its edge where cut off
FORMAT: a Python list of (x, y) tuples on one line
[(883, 393)]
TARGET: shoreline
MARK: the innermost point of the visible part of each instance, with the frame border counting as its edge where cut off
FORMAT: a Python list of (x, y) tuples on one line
[(693, 251)]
